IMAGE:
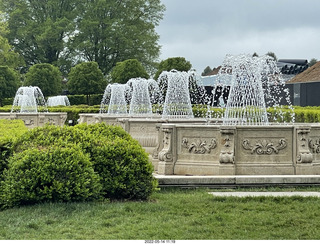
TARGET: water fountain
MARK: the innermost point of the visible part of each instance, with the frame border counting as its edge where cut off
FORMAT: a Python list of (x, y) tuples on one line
[(58, 101), (29, 105), (29, 99), (114, 98), (177, 102), (144, 93), (141, 122), (248, 142)]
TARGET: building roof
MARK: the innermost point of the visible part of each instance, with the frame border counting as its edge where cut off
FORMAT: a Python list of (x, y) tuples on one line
[(309, 75)]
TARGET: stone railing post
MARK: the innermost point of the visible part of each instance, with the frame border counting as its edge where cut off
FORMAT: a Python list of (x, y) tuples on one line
[(167, 155), (303, 152), (227, 145)]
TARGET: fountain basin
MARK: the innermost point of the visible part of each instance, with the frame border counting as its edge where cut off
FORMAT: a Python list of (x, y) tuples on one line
[(32, 120), (239, 150), (144, 129)]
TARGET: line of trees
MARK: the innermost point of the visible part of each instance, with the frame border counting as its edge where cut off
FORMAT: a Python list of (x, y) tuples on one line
[(66, 32)]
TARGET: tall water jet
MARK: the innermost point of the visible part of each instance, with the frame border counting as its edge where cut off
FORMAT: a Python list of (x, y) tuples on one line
[(114, 99), (58, 101), (177, 102), (256, 84), (246, 103), (144, 93), (29, 100)]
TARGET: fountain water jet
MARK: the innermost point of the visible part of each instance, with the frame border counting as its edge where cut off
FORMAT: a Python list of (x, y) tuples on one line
[(114, 98), (177, 102), (29, 100), (29, 105), (58, 101), (144, 93)]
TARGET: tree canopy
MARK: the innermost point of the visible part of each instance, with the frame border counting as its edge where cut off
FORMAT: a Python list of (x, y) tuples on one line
[(47, 77), (126, 70), (86, 78), (9, 82), (8, 57), (177, 63), (65, 32)]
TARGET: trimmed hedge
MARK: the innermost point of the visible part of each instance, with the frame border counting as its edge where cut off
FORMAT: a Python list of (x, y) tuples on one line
[(45, 153), (94, 99), (9, 131), (55, 174), (302, 114)]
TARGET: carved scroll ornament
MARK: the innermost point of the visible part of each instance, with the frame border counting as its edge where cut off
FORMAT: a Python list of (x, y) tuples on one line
[(199, 146), (264, 146)]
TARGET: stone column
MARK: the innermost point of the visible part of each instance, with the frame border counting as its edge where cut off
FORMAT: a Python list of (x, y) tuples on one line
[(167, 155), (227, 157), (303, 153)]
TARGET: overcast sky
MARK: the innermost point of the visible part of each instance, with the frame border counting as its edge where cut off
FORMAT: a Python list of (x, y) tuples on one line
[(204, 31)]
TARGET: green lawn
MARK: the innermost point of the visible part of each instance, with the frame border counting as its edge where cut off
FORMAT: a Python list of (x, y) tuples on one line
[(169, 214)]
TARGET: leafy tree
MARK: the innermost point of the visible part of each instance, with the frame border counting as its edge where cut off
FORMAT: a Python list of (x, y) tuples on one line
[(272, 54), (177, 63), (9, 82), (7, 56), (86, 78), (255, 54), (65, 32), (126, 70), (312, 61), (39, 29), (206, 71), (47, 77), (116, 30)]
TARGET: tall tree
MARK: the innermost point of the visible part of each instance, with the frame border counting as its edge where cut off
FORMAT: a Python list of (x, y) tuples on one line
[(8, 57), (177, 63), (206, 71), (273, 55), (116, 30), (47, 77), (126, 70), (40, 28), (312, 61), (9, 82), (86, 78)]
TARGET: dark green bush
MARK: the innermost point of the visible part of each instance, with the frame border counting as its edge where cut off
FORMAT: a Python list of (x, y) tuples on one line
[(55, 174), (9, 130), (122, 164)]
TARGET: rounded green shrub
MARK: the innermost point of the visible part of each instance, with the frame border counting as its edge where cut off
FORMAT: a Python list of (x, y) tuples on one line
[(122, 165), (56, 174)]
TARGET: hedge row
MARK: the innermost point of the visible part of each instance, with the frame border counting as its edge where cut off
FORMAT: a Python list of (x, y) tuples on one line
[(80, 163), (94, 99), (301, 114)]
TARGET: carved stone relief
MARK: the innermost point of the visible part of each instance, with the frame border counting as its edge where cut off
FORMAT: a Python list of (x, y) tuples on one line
[(199, 146), (303, 153), (166, 153), (227, 150), (314, 145), (264, 146)]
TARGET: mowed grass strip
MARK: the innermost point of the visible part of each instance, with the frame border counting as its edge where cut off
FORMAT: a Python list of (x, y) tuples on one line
[(170, 214)]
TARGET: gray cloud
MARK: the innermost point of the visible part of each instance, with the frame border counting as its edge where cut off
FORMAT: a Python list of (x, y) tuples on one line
[(204, 31)]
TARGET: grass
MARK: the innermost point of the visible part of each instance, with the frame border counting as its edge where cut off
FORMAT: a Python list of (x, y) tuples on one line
[(170, 214)]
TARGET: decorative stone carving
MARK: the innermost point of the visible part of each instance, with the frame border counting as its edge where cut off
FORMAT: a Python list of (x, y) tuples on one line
[(314, 145), (156, 150), (264, 146), (199, 146), (28, 122), (227, 150), (166, 153), (303, 153)]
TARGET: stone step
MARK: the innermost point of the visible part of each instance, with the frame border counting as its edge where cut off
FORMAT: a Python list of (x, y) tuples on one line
[(237, 181)]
